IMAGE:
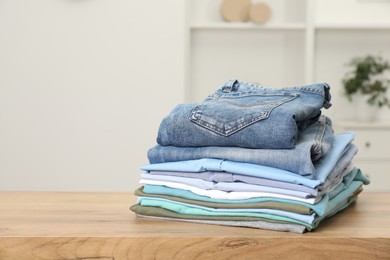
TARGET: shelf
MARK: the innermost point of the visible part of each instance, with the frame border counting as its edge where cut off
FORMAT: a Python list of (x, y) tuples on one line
[(346, 26), (302, 43), (288, 26), (364, 125), (247, 25)]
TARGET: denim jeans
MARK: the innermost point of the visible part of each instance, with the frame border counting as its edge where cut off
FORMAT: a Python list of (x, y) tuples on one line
[(313, 143), (245, 115)]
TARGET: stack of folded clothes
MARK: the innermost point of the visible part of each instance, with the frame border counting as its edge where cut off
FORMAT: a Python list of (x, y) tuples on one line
[(251, 156)]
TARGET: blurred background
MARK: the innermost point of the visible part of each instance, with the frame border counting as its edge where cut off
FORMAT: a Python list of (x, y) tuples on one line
[(85, 84)]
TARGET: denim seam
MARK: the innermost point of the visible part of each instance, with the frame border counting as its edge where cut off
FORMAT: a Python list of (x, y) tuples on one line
[(303, 88), (227, 132), (250, 94), (319, 134), (255, 88), (224, 132), (308, 89)]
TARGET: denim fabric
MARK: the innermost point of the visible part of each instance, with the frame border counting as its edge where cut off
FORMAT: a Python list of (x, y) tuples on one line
[(323, 167), (313, 143), (245, 115)]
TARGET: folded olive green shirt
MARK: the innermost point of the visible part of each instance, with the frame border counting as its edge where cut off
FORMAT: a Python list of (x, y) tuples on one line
[(161, 212), (291, 207)]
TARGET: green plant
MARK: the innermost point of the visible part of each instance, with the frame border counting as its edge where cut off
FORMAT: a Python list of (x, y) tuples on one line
[(366, 78)]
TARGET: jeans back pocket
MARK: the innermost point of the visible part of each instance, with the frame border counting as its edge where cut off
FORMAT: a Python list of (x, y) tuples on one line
[(227, 115)]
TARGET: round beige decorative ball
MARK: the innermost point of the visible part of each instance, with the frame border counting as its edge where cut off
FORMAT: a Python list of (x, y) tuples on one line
[(260, 13), (235, 10)]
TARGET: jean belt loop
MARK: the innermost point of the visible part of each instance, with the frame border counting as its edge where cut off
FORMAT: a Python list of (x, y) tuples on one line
[(327, 99), (322, 119), (229, 86)]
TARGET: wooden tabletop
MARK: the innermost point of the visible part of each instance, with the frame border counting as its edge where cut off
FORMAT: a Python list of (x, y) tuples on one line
[(60, 225)]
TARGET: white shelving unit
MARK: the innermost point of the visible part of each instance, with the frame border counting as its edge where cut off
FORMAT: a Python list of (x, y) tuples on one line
[(348, 26), (305, 41), (310, 43), (212, 55)]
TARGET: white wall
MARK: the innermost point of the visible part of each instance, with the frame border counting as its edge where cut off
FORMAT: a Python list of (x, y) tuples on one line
[(352, 11), (84, 85)]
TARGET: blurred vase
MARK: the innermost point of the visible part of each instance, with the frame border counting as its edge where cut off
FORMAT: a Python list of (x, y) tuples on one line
[(235, 10), (260, 13), (364, 112)]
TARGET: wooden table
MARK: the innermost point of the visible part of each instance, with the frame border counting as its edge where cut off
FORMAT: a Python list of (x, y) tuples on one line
[(44, 225)]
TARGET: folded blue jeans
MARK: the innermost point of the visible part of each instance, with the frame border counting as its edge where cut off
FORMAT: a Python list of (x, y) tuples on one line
[(322, 168), (314, 142), (245, 115)]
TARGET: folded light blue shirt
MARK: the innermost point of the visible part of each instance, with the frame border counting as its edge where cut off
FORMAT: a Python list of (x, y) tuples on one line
[(230, 177)]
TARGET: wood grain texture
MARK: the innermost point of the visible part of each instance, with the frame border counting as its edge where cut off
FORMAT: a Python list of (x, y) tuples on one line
[(100, 226)]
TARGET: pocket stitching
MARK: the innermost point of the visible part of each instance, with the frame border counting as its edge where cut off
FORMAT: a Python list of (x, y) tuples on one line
[(227, 131)]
